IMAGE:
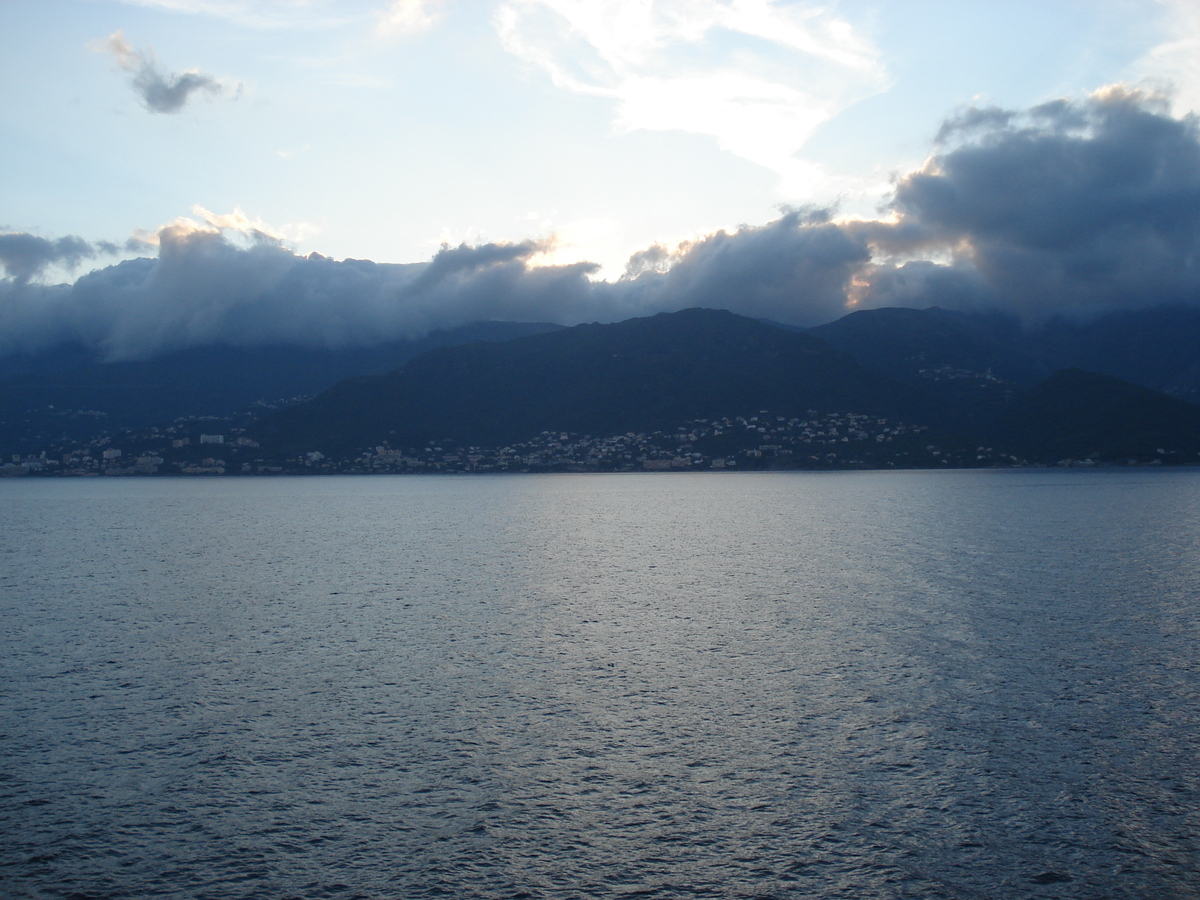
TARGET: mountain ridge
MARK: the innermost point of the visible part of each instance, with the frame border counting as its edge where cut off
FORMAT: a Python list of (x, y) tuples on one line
[(984, 388), (660, 372), (591, 378)]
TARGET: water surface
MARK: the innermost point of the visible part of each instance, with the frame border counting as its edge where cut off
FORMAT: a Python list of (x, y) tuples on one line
[(942, 684)]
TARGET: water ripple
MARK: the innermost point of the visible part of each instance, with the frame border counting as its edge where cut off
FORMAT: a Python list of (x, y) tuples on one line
[(934, 685)]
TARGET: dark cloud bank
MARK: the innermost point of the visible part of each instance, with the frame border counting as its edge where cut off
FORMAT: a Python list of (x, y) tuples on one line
[(1074, 208)]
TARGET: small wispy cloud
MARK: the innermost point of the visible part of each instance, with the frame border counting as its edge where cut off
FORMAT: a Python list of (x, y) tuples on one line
[(759, 76), (290, 153), (160, 90), (389, 18), (1176, 60), (406, 17), (236, 225), (263, 14)]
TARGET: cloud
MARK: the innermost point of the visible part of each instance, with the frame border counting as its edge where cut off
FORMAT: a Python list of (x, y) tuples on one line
[(759, 76), (1070, 207), (25, 256), (796, 269), (1176, 61), (224, 281), (1074, 208), (390, 18), (406, 17), (921, 284), (263, 14), (160, 91)]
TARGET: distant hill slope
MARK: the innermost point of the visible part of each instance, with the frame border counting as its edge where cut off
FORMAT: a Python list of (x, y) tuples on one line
[(640, 374), (1155, 348), (962, 374), (907, 343), (42, 396), (656, 373), (1076, 414)]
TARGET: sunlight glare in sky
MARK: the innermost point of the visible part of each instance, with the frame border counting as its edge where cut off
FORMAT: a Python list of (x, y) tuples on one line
[(758, 77), (379, 129)]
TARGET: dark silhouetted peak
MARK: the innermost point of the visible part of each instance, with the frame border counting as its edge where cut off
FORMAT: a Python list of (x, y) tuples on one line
[(597, 379)]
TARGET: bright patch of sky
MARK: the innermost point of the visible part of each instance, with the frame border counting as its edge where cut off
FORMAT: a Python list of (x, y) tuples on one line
[(374, 129)]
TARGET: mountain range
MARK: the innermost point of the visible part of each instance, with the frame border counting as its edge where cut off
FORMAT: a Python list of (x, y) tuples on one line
[(69, 393), (1114, 389), (668, 370), (638, 375), (1157, 348)]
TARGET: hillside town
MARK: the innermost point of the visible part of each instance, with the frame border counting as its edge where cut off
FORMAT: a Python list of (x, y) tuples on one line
[(762, 441), (207, 446)]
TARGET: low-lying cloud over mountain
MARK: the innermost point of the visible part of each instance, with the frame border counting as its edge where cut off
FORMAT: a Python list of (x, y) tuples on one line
[(1073, 207), (1069, 207), (25, 256)]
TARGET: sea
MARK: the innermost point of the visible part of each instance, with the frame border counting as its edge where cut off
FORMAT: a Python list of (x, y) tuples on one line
[(969, 684)]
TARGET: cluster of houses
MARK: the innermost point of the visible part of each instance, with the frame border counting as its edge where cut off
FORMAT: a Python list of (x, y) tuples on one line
[(177, 449), (762, 440)]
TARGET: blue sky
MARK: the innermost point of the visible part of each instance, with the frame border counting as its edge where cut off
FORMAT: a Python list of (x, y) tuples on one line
[(377, 130), (600, 131)]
